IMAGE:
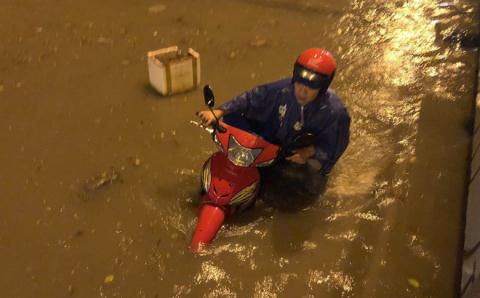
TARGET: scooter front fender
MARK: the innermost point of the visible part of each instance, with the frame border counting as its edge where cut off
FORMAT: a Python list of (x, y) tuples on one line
[(210, 220)]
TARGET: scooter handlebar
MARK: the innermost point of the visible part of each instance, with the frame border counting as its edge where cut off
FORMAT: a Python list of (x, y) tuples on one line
[(201, 125)]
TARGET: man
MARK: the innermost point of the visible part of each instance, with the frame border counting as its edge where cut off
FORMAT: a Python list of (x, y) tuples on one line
[(282, 110)]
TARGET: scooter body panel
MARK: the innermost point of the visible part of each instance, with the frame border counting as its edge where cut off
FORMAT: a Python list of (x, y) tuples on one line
[(229, 187), (228, 180)]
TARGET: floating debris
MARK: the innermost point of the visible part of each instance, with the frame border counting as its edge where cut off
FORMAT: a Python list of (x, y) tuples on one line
[(108, 279), (101, 180), (104, 40), (135, 161), (414, 283), (158, 8), (258, 42), (71, 290)]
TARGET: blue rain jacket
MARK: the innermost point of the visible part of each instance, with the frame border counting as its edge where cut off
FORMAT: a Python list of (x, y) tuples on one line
[(274, 113)]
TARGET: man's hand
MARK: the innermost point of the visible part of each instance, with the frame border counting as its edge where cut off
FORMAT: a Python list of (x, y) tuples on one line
[(207, 116), (301, 156)]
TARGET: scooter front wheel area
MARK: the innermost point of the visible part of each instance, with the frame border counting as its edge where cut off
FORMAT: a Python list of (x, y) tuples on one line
[(210, 220)]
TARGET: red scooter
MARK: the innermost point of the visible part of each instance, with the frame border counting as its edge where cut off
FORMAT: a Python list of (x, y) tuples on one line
[(230, 179)]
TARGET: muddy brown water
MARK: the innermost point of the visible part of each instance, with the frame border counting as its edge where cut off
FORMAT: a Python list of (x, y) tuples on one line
[(75, 103)]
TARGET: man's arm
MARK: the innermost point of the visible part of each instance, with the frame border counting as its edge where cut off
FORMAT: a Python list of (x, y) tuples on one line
[(242, 103), (332, 142)]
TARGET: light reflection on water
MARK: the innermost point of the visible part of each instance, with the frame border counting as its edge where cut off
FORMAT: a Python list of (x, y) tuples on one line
[(410, 35)]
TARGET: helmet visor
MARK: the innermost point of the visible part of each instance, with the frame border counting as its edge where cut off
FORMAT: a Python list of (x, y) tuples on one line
[(309, 78)]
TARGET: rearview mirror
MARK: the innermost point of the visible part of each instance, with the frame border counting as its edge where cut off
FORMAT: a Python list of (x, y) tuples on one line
[(208, 96)]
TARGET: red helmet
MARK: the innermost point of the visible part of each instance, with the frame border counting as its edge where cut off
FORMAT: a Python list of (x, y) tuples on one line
[(315, 68)]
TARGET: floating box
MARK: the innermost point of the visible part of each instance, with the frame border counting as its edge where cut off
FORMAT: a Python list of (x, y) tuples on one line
[(171, 71)]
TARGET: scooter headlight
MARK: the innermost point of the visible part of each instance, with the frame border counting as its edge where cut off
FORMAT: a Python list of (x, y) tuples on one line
[(239, 155)]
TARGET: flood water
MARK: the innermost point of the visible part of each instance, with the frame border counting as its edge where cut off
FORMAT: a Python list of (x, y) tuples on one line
[(75, 103)]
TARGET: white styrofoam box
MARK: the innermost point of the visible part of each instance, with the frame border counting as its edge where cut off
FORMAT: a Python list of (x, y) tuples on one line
[(171, 73)]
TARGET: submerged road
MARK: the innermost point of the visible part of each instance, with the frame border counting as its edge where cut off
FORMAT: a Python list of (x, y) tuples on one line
[(99, 174)]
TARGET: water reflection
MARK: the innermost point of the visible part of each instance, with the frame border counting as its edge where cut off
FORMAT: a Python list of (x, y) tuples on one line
[(410, 37)]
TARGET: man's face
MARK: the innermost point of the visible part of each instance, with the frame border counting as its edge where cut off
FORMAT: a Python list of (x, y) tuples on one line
[(305, 94)]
